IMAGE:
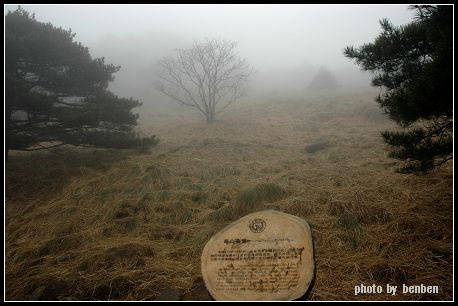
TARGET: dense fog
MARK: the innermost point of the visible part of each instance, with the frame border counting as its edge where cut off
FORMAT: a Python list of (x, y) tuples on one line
[(285, 44)]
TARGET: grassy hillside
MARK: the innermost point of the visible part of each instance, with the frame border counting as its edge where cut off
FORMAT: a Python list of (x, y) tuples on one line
[(110, 225)]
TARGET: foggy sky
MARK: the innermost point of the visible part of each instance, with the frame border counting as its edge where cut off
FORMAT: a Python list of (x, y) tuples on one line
[(273, 35), (281, 42)]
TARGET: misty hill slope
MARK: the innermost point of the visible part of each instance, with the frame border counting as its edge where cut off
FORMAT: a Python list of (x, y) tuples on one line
[(107, 225)]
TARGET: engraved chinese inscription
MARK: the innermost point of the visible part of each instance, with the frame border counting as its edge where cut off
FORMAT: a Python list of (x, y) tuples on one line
[(276, 269)]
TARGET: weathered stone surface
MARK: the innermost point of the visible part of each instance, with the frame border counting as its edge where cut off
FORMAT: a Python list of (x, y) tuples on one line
[(266, 255)]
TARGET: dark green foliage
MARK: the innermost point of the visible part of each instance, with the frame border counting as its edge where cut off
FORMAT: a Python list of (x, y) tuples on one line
[(421, 146), (414, 65), (56, 94)]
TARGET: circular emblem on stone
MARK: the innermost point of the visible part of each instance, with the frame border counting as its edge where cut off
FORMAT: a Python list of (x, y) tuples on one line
[(257, 225)]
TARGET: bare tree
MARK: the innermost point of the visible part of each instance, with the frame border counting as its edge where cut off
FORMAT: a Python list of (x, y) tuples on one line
[(209, 76)]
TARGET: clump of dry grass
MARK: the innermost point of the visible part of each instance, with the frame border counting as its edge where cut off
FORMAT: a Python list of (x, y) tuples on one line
[(247, 201), (251, 199), (157, 175), (352, 227), (223, 214), (60, 244), (127, 256), (107, 225), (362, 211)]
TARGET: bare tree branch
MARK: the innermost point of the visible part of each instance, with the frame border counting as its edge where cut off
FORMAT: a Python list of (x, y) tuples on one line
[(209, 76)]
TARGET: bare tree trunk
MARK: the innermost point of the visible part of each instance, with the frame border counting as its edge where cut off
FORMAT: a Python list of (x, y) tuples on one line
[(210, 117), (211, 111)]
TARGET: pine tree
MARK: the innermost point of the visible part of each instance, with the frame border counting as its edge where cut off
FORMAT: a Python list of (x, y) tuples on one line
[(413, 65), (56, 94)]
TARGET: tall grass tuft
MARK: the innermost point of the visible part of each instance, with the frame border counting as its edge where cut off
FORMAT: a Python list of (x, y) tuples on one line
[(252, 199)]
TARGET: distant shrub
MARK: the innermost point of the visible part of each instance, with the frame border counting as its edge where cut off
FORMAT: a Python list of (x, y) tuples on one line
[(323, 80)]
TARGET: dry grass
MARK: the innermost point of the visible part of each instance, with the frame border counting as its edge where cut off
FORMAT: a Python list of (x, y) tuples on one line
[(107, 225)]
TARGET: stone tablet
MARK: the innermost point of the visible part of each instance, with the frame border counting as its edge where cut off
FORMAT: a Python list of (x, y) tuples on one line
[(266, 255)]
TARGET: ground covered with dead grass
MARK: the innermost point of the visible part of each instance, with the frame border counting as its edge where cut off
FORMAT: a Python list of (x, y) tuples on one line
[(111, 225)]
